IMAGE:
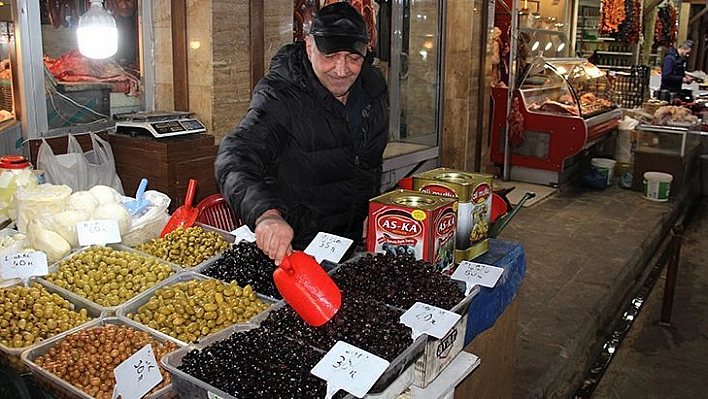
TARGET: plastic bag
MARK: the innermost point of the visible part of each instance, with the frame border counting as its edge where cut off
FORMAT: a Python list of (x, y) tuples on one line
[(102, 165), (78, 169), (70, 169), (148, 224)]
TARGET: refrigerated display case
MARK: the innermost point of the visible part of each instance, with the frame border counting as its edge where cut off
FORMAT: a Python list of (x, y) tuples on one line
[(561, 107)]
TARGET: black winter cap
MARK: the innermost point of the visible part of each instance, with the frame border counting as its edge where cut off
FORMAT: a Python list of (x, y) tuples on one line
[(339, 27)]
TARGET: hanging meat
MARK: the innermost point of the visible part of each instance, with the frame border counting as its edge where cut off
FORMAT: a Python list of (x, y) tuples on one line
[(63, 13), (303, 12), (516, 125)]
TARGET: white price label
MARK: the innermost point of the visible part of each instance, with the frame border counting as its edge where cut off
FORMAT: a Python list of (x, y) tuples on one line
[(349, 368), (244, 233), (427, 319), (98, 232), (212, 395), (24, 265), (137, 375), (329, 247), (473, 273)]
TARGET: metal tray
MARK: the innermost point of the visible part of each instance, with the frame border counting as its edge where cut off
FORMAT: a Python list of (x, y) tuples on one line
[(396, 366), (230, 238), (136, 302), (63, 389), (110, 310), (10, 357)]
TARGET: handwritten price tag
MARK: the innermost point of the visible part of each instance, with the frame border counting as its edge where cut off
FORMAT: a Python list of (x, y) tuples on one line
[(98, 232), (329, 247), (473, 273), (428, 319), (24, 265), (137, 375), (347, 367), (244, 233)]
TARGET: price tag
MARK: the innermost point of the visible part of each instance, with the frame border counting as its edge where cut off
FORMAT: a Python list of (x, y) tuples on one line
[(98, 232), (24, 265), (244, 233), (329, 247), (347, 367), (137, 375), (211, 395), (428, 319), (473, 273)]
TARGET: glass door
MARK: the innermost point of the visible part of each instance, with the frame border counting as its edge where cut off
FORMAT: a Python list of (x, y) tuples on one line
[(410, 52)]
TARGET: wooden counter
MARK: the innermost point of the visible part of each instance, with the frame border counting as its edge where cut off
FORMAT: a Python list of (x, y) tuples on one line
[(168, 163)]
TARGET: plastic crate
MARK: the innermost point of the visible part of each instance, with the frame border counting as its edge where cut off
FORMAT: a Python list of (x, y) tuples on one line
[(631, 88)]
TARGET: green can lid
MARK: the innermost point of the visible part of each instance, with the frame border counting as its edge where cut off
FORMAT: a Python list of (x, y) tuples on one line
[(14, 162)]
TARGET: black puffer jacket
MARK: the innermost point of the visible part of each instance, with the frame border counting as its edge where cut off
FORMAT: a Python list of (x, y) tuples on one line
[(294, 151)]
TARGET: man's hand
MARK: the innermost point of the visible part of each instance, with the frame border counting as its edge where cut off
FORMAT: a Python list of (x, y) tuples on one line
[(687, 79), (274, 235)]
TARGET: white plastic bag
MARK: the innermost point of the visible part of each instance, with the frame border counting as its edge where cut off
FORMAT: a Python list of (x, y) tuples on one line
[(102, 165), (78, 169), (70, 169), (148, 224)]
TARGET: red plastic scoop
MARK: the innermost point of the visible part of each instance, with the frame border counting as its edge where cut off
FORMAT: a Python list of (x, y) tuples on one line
[(186, 214), (307, 288)]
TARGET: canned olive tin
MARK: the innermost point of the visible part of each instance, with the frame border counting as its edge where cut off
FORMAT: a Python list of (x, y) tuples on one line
[(474, 193), (414, 223)]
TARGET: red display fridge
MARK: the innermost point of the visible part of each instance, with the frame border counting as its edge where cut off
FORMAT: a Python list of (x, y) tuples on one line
[(562, 106)]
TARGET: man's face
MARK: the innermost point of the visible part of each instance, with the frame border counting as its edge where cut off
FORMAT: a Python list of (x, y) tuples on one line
[(336, 71), (684, 52)]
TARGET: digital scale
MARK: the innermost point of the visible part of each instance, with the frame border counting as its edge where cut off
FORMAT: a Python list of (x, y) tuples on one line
[(158, 123)]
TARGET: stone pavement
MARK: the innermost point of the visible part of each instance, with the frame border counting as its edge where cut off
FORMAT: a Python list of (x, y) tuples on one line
[(585, 251), (670, 359)]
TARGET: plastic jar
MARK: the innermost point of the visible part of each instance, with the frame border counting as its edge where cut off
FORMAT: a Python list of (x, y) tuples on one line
[(15, 171)]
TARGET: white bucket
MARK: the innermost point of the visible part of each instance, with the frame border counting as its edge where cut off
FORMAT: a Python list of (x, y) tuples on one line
[(657, 186), (605, 166)]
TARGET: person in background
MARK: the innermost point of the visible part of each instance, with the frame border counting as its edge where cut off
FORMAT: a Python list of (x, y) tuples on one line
[(307, 156), (673, 71)]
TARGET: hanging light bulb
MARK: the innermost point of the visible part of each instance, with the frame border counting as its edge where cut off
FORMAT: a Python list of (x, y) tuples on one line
[(97, 32)]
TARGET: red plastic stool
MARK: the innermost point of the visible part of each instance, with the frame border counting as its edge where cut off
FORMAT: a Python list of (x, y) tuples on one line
[(214, 211)]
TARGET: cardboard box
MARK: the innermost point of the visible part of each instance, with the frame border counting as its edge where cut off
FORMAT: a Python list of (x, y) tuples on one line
[(439, 353)]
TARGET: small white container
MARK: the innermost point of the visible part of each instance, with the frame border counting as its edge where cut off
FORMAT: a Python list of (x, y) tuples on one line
[(657, 186)]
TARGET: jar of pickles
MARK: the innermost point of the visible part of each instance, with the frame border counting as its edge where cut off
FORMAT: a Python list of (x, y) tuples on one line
[(15, 171)]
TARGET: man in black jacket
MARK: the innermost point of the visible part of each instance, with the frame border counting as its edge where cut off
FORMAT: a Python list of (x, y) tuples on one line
[(307, 156), (673, 71)]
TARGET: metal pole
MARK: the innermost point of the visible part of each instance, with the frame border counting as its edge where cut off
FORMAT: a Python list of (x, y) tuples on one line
[(671, 272), (513, 43)]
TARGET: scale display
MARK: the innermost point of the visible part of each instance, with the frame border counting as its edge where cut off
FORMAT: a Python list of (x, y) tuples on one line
[(158, 124)]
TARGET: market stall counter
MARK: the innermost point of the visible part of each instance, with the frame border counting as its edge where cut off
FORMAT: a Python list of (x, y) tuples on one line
[(492, 324)]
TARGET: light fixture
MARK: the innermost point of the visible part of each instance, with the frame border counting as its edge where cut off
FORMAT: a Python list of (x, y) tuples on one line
[(97, 33), (535, 45), (548, 46), (561, 47)]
